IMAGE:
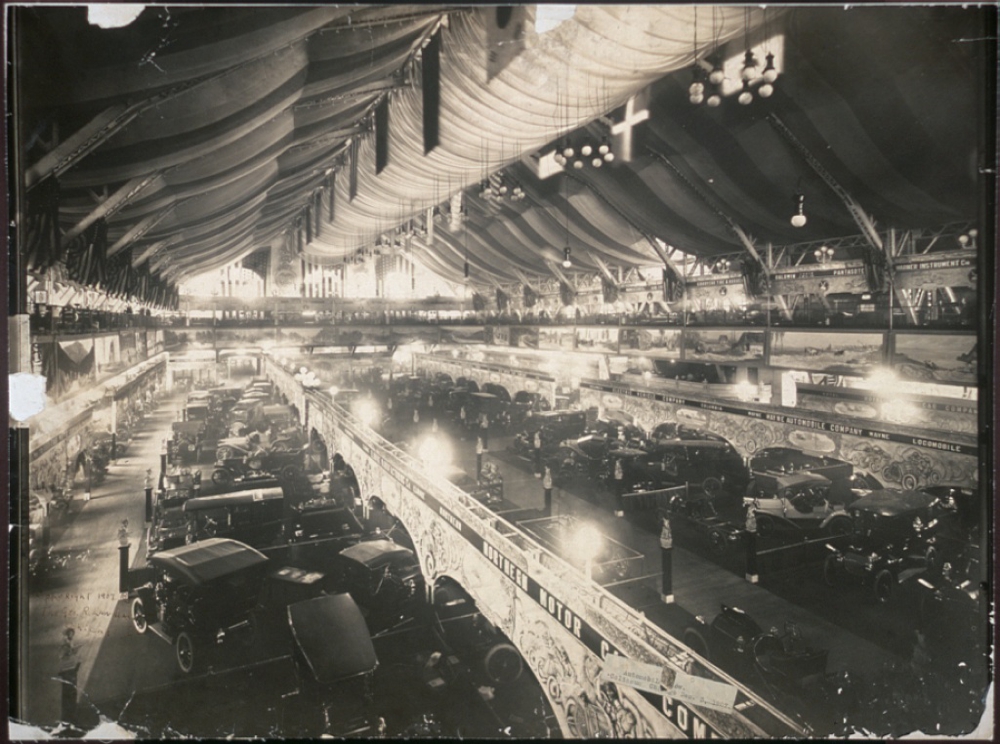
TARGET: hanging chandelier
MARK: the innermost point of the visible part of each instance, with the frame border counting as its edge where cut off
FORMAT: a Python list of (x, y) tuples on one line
[(500, 187)]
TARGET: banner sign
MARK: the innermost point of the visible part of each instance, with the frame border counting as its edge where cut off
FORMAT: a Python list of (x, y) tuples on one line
[(799, 420), (952, 269)]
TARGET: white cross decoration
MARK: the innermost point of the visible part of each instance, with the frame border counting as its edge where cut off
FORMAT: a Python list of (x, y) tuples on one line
[(622, 130)]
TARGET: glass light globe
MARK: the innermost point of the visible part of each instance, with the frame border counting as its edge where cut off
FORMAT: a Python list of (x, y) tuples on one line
[(578, 164), (798, 220), (770, 75), (608, 157), (560, 158), (696, 99), (597, 162), (569, 152), (745, 98), (604, 149), (716, 76), (765, 90), (567, 263), (696, 88), (586, 150), (714, 100)]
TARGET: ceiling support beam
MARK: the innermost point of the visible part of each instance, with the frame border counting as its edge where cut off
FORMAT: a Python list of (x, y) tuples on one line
[(112, 204), (738, 231), (605, 271), (786, 311), (140, 229)]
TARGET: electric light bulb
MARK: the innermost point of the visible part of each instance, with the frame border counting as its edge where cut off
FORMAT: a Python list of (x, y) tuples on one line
[(603, 149), (765, 90), (798, 220), (578, 164), (608, 157), (597, 162), (714, 100), (716, 76), (569, 152), (586, 150), (697, 98), (745, 98)]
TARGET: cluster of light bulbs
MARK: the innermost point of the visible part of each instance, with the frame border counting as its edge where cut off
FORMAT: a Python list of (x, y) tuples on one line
[(697, 90), (596, 156), (722, 266), (824, 254), (496, 189), (968, 240)]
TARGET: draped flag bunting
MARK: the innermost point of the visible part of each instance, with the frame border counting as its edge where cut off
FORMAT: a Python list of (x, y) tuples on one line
[(352, 190), (382, 134), (505, 30), (430, 78), (331, 185)]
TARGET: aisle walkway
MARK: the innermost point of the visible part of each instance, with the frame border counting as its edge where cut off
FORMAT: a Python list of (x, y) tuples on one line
[(82, 592)]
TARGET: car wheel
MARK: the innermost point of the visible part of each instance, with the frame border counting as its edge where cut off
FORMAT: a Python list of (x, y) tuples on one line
[(223, 453), (503, 664), (288, 472), (712, 486), (766, 525), (222, 477), (838, 526), (185, 652), (883, 586), (696, 642), (255, 463), (831, 571), (138, 614)]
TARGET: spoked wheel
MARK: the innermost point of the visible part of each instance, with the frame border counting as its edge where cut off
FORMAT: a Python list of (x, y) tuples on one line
[(765, 525), (883, 586), (222, 477), (138, 615), (503, 664), (185, 652), (712, 486), (838, 526)]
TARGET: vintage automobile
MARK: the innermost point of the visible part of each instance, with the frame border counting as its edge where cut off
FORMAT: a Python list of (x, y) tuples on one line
[(693, 517), (524, 404), (896, 536), (796, 500), (187, 444), (493, 406), (846, 484), (254, 517), (384, 579), (461, 628), (735, 642), (335, 662), (168, 527), (286, 465), (554, 426), (199, 410), (711, 465), (197, 596), (585, 457)]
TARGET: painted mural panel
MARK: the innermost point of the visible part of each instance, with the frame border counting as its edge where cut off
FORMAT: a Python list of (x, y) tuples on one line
[(721, 345), (525, 337), (461, 335), (556, 338), (936, 358), (75, 363), (240, 337), (913, 463), (656, 343), (597, 339), (855, 354)]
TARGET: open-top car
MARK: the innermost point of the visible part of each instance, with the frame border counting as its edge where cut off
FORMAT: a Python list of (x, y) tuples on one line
[(693, 518), (796, 500), (736, 643), (896, 535), (585, 457), (168, 527), (286, 465), (188, 440), (197, 596), (554, 427), (846, 485), (524, 404)]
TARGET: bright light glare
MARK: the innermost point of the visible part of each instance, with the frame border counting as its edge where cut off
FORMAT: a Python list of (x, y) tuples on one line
[(366, 411), (745, 391), (403, 355), (898, 411), (882, 380), (435, 453), (108, 15), (333, 391), (586, 542)]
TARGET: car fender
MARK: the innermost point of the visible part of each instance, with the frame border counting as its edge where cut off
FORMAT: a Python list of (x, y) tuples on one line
[(835, 514)]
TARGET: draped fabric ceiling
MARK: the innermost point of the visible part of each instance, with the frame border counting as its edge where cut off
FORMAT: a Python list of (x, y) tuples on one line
[(242, 115)]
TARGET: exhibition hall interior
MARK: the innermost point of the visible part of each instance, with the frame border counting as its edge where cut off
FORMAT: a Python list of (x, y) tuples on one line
[(501, 372)]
